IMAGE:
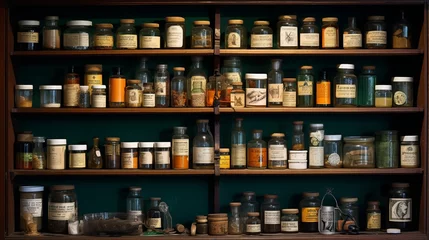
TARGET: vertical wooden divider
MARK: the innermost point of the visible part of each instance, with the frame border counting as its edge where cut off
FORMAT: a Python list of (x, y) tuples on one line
[(216, 67), (3, 135)]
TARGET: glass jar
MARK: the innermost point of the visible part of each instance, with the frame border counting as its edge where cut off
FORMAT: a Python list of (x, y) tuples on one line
[(248, 205), (218, 224), (358, 152), (51, 33), (290, 220), (154, 214), (401, 37), (287, 32), (410, 152), (323, 90), (309, 34), (400, 207), (253, 224), (316, 155), (56, 154), (112, 149), (257, 151), (71, 88), (93, 76), (403, 93), (24, 96), (50, 96), (135, 204), (31, 202), (235, 34), (175, 33), (366, 87), (162, 86), (84, 97), (330, 36), (24, 151), (133, 94), (202, 226), (162, 155), (197, 74), (62, 208), (383, 96), (232, 69), (98, 99), (143, 73), (298, 136), (117, 89), (180, 148), (275, 84), (203, 146), (129, 155), (277, 151), (345, 86), (201, 35), (386, 149), (309, 208), (261, 36), (238, 96), (373, 216), (39, 155), (95, 161), (333, 147), (289, 92), (126, 35), (103, 36), (77, 156), (350, 207), (225, 158), (148, 95), (352, 36), (375, 32), (146, 155), (234, 221), (78, 35), (198, 95), (150, 36), (270, 214), (28, 35), (305, 82), (256, 90)]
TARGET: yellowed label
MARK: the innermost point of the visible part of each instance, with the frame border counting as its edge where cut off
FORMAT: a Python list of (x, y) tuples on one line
[(201, 79), (93, 79), (330, 37), (150, 42), (174, 37), (409, 155), (261, 41), (77, 160), (305, 88), (310, 214), (33, 206), (352, 40), (155, 222), (345, 91), (373, 221), (275, 92), (98, 101), (103, 41), (134, 96), (225, 161), (233, 76), (71, 95), (61, 211), (289, 99), (238, 154), (376, 37), (76, 39), (180, 147), (127, 160), (238, 100), (51, 39), (28, 37), (309, 40), (234, 40), (56, 157), (148, 100), (288, 36), (128, 41)]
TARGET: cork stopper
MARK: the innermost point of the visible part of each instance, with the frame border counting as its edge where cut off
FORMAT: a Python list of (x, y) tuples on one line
[(180, 69), (330, 19), (202, 22), (104, 25), (309, 19), (235, 21), (150, 25), (261, 23), (306, 68), (175, 19), (127, 21)]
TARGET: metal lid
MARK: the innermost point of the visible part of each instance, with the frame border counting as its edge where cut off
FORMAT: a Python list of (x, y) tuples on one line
[(235, 204), (74, 23), (306, 67), (411, 138), (201, 22), (235, 21), (104, 25), (310, 194), (162, 66), (348, 200), (77, 147), (98, 86), (286, 17), (253, 214), (84, 88), (180, 69), (289, 79), (383, 87), (400, 185), (290, 211), (129, 144), (309, 19), (175, 19), (146, 144), (24, 87), (57, 141), (135, 188), (150, 25), (31, 188), (29, 23), (50, 87), (261, 23), (93, 68), (127, 21), (346, 66), (355, 139), (332, 137), (52, 18), (376, 18), (39, 139), (402, 79), (270, 196), (330, 19), (155, 199), (277, 135), (256, 76), (163, 144), (62, 187), (224, 150)]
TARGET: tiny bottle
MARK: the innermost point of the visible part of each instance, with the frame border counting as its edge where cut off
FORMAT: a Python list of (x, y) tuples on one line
[(238, 96), (234, 221), (352, 36), (133, 94), (148, 95), (373, 216), (39, 155), (298, 136), (95, 161), (84, 97), (154, 215), (253, 224), (323, 91), (257, 151)]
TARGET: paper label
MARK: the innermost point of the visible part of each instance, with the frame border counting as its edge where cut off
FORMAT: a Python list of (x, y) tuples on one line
[(289, 99), (309, 40), (261, 41), (76, 39), (233, 77), (305, 88), (237, 100), (409, 155), (180, 147), (200, 79), (155, 222), (352, 40), (400, 209), (128, 41), (238, 154), (330, 37), (98, 101), (345, 91), (146, 158), (51, 38), (128, 160), (71, 95), (150, 42), (103, 41), (289, 226), (400, 98), (271, 217), (225, 161), (257, 157), (316, 156), (174, 37), (373, 221), (93, 79), (61, 211), (334, 159), (77, 160), (28, 37), (234, 40), (160, 88), (310, 214), (162, 157), (56, 157), (256, 97), (33, 206), (253, 228), (203, 155), (277, 152), (275, 92), (148, 100), (288, 36), (134, 96), (376, 37), (198, 99), (323, 93)]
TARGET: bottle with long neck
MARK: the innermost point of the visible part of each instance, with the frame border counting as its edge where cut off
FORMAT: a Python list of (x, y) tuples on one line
[(238, 145), (143, 72), (197, 74)]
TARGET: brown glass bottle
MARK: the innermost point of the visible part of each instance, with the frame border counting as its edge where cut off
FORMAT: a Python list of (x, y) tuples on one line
[(309, 208), (270, 214), (154, 215), (95, 161)]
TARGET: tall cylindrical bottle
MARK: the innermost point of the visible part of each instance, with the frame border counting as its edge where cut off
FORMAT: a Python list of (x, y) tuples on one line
[(117, 83), (203, 146), (275, 84), (180, 150), (162, 86), (238, 145)]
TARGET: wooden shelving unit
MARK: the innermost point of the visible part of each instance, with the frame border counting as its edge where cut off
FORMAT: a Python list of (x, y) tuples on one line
[(118, 53), (321, 52), (326, 171)]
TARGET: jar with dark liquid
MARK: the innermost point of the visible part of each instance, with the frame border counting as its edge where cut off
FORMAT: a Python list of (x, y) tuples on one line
[(270, 214), (113, 153), (309, 208)]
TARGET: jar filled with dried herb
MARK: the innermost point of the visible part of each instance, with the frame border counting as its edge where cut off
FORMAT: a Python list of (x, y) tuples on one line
[(112, 149), (24, 151), (31, 201), (387, 149), (39, 155), (234, 221), (178, 88), (62, 207), (401, 33), (129, 155), (201, 35), (51, 33), (77, 156), (126, 35), (298, 136), (95, 161)]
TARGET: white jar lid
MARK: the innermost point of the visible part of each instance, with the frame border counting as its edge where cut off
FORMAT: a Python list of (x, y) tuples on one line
[(402, 79), (73, 23), (84, 88), (129, 144), (77, 147), (256, 76), (346, 66), (298, 161), (316, 125), (146, 144), (162, 144), (29, 22), (393, 231), (56, 141), (298, 151), (98, 86), (383, 87), (332, 137), (50, 87), (24, 87), (31, 188), (411, 138)]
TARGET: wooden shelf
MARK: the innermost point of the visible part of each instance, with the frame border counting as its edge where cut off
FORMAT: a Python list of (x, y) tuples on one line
[(109, 110), (320, 52), (324, 171), (136, 52), (323, 110)]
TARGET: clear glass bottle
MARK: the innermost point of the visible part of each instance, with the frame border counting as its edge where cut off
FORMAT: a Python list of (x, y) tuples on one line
[(287, 32), (39, 155), (238, 145), (133, 94), (309, 34), (180, 148), (289, 92), (175, 32), (51, 33), (298, 136), (148, 95), (358, 152), (323, 90), (316, 150), (330, 36), (143, 72), (117, 89), (350, 207), (270, 214), (333, 151), (383, 96), (373, 216), (135, 204), (71, 88), (309, 208), (203, 146), (95, 161), (345, 86), (202, 34), (162, 86), (256, 90), (261, 36), (352, 36), (150, 36), (402, 35), (248, 204), (103, 36), (275, 84), (253, 224), (305, 83), (198, 98), (126, 35), (277, 151), (78, 35), (290, 220), (196, 74), (154, 215), (234, 222), (366, 87), (375, 32), (232, 69), (178, 88), (257, 151), (238, 96), (235, 34)]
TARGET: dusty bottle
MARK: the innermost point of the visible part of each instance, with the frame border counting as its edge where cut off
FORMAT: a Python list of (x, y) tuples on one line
[(95, 160), (162, 86), (238, 145), (196, 74), (203, 146), (275, 84)]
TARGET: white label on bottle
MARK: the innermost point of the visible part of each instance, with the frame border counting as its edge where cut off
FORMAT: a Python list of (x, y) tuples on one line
[(345, 91), (77, 160), (154, 222), (150, 42), (148, 100), (275, 92), (98, 101), (127, 160), (330, 37), (234, 40), (134, 212), (134, 96), (256, 97), (334, 159), (352, 40), (28, 37), (61, 211), (56, 157), (305, 88), (238, 100), (146, 158), (376, 37), (400, 209), (76, 39), (161, 89), (33, 206), (174, 37), (126, 41), (71, 95), (97, 153), (51, 38), (203, 155), (271, 217), (409, 155), (289, 226), (238, 154), (180, 147), (253, 228), (289, 99), (261, 41), (198, 99), (277, 152), (162, 157), (200, 79), (316, 156), (288, 36), (309, 40), (233, 76)]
